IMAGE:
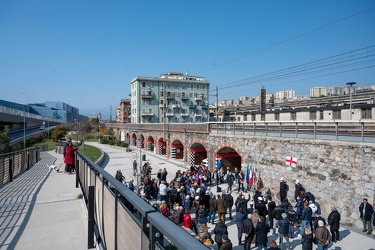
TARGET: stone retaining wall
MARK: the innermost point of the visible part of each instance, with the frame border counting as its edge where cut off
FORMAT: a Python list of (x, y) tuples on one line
[(337, 173)]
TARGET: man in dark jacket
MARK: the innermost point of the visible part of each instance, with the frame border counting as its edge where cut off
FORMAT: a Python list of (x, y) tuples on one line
[(249, 231), (334, 224), (228, 198), (230, 180), (283, 189), (262, 229), (306, 218), (219, 230), (284, 230), (298, 189), (279, 209), (239, 219), (261, 207), (221, 208), (271, 208), (366, 210)]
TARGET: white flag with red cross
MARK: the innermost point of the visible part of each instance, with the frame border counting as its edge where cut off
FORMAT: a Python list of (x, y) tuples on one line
[(291, 161)]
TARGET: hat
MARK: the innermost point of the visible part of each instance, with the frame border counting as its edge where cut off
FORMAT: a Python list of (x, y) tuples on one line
[(297, 181), (187, 197), (260, 198), (197, 197), (225, 237), (281, 178)]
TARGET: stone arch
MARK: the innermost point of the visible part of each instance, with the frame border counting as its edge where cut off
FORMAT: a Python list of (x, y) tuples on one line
[(197, 153), (229, 156), (161, 147), (150, 143), (177, 149)]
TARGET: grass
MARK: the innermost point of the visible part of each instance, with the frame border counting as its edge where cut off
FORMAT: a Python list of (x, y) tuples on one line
[(91, 152)]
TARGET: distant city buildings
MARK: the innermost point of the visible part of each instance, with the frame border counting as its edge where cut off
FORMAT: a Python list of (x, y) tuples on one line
[(123, 113), (286, 94)]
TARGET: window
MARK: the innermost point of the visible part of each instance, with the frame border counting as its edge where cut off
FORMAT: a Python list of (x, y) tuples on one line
[(321, 115), (192, 86), (253, 117), (336, 114), (263, 117), (244, 118), (312, 115), (277, 116), (293, 116), (366, 113), (143, 84)]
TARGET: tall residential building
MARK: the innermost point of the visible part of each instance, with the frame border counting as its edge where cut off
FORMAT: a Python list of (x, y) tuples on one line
[(123, 113), (286, 94), (173, 97), (318, 92)]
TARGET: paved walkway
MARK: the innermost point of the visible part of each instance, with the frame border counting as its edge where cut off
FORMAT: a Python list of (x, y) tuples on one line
[(118, 158), (40, 209)]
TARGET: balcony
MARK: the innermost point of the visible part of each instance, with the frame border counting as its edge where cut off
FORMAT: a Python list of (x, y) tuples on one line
[(184, 97), (192, 106), (198, 115), (169, 114), (175, 106), (147, 114), (170, 97), (161, 106), (184, 114), (147, 96), (198, 98), (205, 107)]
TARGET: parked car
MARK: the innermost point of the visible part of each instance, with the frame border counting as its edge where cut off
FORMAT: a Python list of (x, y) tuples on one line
[(42, 127), (204, 163)]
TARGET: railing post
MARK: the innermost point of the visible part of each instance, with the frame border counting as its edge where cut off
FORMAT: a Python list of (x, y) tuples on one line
[(296, 130), (314, 130), (280, 130), (10, 169), (266, 128), (91, 221), (337, 130), (363, 131), (77, 172)]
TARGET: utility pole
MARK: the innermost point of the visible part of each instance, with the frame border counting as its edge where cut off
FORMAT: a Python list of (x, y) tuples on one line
[(110, 113), (217, 104)]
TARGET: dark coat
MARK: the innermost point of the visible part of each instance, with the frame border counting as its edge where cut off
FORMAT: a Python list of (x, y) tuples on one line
[(277, 212), (202, 214), (317, 219), (230, 179), (239, 218), (307, 241), (219, 230), (299, 207), (228, 200), (306, 213), (334, 220), (248, 227), (262, 230), (271, 208), (368, 211), (284, 226), (262, 210), (212, 204), (298, 189), (283, 189)]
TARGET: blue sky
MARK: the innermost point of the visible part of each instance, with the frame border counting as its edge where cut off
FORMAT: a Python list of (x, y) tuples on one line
[(85, 53)]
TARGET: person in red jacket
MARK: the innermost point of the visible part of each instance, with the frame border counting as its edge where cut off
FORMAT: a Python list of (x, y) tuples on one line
[(69, 157), (188, 222)]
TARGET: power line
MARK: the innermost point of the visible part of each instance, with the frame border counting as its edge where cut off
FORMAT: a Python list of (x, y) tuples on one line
[(287, 40)]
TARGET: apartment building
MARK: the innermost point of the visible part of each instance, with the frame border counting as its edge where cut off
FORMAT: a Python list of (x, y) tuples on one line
[(172, 97), (123, 113)]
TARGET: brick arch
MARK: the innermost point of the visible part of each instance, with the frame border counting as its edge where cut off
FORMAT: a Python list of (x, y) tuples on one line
[(176, 138), (230, 145), (200, 141)]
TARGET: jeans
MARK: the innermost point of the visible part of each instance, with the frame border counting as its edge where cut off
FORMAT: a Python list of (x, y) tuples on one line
[(260, 246), (281, 236), (304, 223), (321, 247), (291, 231), (211, 216), (229, 211)]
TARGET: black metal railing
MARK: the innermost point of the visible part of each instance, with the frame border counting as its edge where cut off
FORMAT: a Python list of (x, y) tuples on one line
[(120, 219), (14, 163)]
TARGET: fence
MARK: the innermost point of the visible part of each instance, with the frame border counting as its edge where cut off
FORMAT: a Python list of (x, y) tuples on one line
[(119, 219), (362, 131), (14, 163)]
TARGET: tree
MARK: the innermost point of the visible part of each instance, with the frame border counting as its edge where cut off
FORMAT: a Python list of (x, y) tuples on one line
[(5, 141), (59, 133)]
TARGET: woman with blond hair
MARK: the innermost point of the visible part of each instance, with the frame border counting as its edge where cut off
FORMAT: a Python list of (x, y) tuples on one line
[(307, 239), (255, 219)]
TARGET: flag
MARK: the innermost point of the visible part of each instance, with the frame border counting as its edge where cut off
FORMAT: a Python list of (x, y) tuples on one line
[(291, 161), (254, 177), (247, 174), (251, 181)]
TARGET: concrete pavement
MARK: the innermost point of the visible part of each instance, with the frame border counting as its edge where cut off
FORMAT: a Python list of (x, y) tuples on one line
[(40, 209), (118, 158)]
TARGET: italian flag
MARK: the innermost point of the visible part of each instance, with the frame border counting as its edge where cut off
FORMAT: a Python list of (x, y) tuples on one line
[(251, 176)]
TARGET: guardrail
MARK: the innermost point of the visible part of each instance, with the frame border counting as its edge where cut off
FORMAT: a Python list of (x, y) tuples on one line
[(14, 163), (358, 131), (119, 219)]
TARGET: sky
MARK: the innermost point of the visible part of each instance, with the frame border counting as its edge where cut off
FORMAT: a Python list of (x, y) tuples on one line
[(85, 53)]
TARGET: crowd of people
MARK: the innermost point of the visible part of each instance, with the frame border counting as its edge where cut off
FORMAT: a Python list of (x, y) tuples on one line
[(188, 201)]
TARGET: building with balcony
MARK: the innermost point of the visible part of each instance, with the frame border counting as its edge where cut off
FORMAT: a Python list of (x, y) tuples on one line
[(171, 97), (285, 95), (318, 92), (123, 113)]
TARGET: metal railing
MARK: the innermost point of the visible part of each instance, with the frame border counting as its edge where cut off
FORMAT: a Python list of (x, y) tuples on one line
[(119, 219), (358, 131), (14, 163)]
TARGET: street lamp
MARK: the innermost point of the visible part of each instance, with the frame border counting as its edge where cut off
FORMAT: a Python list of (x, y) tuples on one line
[(350, 84), (99, 116)]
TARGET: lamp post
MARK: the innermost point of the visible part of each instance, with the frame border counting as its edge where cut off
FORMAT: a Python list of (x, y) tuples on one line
[(24, 128), (99, 116), (350, 84)]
